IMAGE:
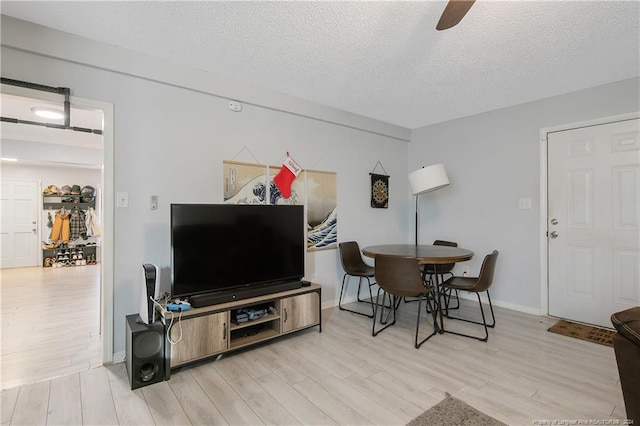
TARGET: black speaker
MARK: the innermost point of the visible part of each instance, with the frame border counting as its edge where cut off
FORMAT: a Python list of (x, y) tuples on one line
[(145, 358)]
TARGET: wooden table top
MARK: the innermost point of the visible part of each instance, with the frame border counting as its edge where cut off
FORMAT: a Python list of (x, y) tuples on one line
[(424, 253)]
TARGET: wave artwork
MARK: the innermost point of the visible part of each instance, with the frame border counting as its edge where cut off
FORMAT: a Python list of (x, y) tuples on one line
[(325, 234), (321, 236), (255, 192)]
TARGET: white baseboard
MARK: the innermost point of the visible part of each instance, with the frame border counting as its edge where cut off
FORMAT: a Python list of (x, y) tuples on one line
[(119, 357), (502, 304)]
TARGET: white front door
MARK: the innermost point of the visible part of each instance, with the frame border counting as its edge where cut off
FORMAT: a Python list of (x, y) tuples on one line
[(594, 221), (18, 223)]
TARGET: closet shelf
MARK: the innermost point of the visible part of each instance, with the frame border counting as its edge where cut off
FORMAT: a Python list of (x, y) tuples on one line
[(56, 202), (55, 206)]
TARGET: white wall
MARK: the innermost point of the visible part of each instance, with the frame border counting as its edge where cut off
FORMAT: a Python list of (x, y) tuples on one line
[(493, 160), (52, 175), (171, 139), (37, 151)]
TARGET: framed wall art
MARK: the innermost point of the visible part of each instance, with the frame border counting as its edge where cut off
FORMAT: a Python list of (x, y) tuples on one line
[(244, 183), (322, 210)]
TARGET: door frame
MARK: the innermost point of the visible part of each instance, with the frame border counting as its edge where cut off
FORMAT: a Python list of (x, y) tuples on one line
[(544, 182), (108, 213)]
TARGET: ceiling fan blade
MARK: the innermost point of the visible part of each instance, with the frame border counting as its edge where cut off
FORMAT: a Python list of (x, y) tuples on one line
[(453, 13)]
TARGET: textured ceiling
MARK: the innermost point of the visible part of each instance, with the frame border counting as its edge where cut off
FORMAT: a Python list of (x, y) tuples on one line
[(383, 59)]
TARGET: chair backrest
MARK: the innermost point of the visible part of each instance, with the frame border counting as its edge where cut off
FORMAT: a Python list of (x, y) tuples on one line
[(485, 279), (446, 267), (351, 259), (399, 276)]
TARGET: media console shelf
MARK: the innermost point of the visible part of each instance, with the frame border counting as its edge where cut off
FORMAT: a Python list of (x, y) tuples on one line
[(211, 330)]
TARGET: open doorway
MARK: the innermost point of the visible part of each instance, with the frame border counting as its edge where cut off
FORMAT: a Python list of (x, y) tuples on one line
[(56, 321)]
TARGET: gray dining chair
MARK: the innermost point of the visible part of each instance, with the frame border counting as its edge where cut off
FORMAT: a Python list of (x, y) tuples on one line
[(430, 270), (401, 277), (475, 285), (354, 266)]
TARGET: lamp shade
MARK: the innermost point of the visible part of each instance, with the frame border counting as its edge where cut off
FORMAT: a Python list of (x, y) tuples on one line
[(428, 179)]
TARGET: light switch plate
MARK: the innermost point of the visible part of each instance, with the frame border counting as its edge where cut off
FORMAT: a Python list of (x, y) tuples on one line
[(524, 203), (154, 202), (122, 199)]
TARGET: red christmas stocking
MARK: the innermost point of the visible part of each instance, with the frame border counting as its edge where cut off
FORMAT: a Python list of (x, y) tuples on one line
[(285, 177)]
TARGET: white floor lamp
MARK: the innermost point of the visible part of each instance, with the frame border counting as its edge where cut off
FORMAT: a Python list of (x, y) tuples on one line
[(424, 180)]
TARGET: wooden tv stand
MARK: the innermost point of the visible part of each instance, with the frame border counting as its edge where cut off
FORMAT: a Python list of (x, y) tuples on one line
[(211, 330)]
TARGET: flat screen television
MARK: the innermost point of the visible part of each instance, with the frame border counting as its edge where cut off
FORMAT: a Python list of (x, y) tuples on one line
[(224, 252)]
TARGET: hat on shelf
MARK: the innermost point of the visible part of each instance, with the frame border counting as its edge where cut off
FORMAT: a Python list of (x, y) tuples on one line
[(66, 190), (51, 190), (75, 190), (88, 194)]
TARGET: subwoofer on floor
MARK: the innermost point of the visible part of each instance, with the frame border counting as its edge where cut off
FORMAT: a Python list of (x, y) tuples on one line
[(145, 356)]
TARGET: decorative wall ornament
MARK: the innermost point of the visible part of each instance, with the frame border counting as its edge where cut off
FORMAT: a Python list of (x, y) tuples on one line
[(379, 191), (379, 188), (287, 174), (297, 190)]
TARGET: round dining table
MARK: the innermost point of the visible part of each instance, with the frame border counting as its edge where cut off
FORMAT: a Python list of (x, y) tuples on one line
[(425, 254)]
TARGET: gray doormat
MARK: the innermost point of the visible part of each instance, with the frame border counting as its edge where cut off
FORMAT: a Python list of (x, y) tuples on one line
[(452, 411)]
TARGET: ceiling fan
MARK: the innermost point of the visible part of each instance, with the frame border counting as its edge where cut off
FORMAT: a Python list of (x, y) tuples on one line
[(453, 13)]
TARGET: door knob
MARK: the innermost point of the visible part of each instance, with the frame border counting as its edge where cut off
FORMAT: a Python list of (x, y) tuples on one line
[(554, 221), (554, 234)]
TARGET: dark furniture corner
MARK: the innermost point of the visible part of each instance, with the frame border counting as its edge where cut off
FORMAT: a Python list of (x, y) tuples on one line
[(626, 344)]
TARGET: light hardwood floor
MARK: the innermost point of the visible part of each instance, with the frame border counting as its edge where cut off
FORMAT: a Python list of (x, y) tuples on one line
[(50, 323), (345, 376)]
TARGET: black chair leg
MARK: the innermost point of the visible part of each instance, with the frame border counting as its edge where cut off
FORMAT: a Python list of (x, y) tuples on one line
[(483, 323), (344, 282), (457, 301), (449, 295), (493, 317), (418, 344), (377, 306), (358, 294), (446, 302)]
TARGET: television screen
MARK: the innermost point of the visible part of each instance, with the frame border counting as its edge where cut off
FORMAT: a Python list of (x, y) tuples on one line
[(218, 247)]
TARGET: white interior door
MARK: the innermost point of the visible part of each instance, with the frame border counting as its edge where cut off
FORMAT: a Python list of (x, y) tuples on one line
[(594, 221), (18, 223)]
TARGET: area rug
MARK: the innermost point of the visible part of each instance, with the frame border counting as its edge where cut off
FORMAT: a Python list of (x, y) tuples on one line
[(584, 332), (452, 411)]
